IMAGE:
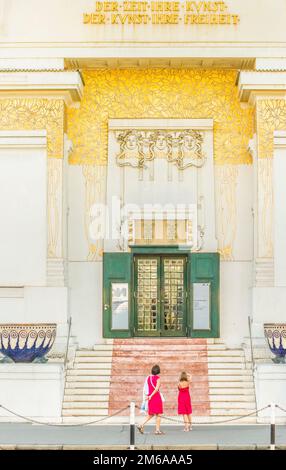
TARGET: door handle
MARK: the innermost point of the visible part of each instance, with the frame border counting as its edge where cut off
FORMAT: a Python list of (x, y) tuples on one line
[(106, 306)]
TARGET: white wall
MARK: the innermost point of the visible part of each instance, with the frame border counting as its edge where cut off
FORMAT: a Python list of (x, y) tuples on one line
[(23, 200), (235, 301), (270, 384), (33, 390), (86, 302)]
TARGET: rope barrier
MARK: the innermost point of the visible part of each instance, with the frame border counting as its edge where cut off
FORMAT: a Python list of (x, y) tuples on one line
[(164, 417), (222, 421), (280, 408), (217, 422), (34, 421)]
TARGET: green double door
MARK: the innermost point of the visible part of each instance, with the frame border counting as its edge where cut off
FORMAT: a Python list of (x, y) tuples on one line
[(160, 295)]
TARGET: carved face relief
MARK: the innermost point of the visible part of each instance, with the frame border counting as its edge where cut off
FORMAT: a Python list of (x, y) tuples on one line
[(161, 142), (189, 142), (131, 142)]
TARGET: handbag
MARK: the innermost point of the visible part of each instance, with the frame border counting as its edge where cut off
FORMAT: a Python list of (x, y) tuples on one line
[(144, 404)]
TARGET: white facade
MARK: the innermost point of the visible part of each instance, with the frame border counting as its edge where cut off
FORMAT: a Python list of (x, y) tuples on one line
[(45, 201)]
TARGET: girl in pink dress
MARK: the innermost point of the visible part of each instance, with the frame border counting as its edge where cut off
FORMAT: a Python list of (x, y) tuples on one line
[(184, 400), (155, 402)]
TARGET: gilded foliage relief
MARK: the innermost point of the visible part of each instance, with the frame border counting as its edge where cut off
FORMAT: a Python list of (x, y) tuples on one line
[(156, 93), (226, 184), (36, 114), (271, 116)]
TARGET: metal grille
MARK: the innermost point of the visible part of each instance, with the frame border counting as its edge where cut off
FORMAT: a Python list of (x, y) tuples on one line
[(173, 288), (147, 294)]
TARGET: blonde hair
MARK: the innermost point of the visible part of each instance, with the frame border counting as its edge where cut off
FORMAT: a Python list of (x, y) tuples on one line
[(184, 377)]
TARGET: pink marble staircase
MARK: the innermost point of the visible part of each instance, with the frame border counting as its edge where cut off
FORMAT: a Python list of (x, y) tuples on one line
[(132, 360)]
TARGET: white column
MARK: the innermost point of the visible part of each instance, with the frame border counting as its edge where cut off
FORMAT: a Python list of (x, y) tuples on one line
[(279, 185), (23, 201)]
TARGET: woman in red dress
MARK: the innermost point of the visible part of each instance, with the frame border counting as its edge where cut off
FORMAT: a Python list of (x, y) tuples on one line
[(184, 400), (155, 402)]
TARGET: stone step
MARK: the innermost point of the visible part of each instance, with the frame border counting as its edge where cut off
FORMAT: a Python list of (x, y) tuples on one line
[(98, 384), (230, 378), (86, 405), (226, 365), (93, 359), (88, 378), (229, 370), (226, 353), (105, 355), (73, 392), (235, 390), (233, 405), (92, 372), (79, 412), (233, 397), (227, 373), (95, 350), (108, 349), (217, 347), (226, 359), (87, 398), (92, 365)]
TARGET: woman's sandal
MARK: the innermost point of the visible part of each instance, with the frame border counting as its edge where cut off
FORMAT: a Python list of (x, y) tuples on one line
[(140, 429), (159, 432)]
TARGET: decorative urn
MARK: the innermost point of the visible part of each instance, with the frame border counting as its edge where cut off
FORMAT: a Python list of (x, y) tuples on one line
[(275, 334), (27, 342)]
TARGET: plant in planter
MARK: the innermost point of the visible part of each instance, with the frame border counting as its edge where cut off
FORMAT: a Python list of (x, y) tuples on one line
[(275, 334)]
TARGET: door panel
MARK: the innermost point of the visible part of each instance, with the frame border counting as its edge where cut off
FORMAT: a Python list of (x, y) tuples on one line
[(117, 318), (160, 296), (173, 309), (204, 294), (147, 295)]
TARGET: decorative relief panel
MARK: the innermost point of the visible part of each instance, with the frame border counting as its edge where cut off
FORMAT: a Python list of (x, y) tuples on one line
[(160, 93), (271, 116), (54, 207), (35, 114), (226, 184), (95, 187), (265, 208), (159, 228), (183, 149)]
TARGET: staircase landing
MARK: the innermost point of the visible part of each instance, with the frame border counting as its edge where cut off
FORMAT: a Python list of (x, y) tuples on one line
[(104, 380)]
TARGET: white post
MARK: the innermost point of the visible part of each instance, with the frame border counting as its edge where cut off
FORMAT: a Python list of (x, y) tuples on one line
[(272, 435), (132, 426)]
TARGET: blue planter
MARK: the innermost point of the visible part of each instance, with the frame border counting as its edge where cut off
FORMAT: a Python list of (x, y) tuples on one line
[(275, 334), (27, 342)]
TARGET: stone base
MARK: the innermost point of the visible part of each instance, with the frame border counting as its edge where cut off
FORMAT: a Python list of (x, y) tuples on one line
[(270, 384), (32, 390)]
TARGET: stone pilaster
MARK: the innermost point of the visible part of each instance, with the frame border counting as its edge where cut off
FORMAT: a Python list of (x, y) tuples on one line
[(266, 90)]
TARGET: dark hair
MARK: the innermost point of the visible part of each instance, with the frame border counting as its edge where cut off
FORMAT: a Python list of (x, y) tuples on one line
[(155, 370)]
